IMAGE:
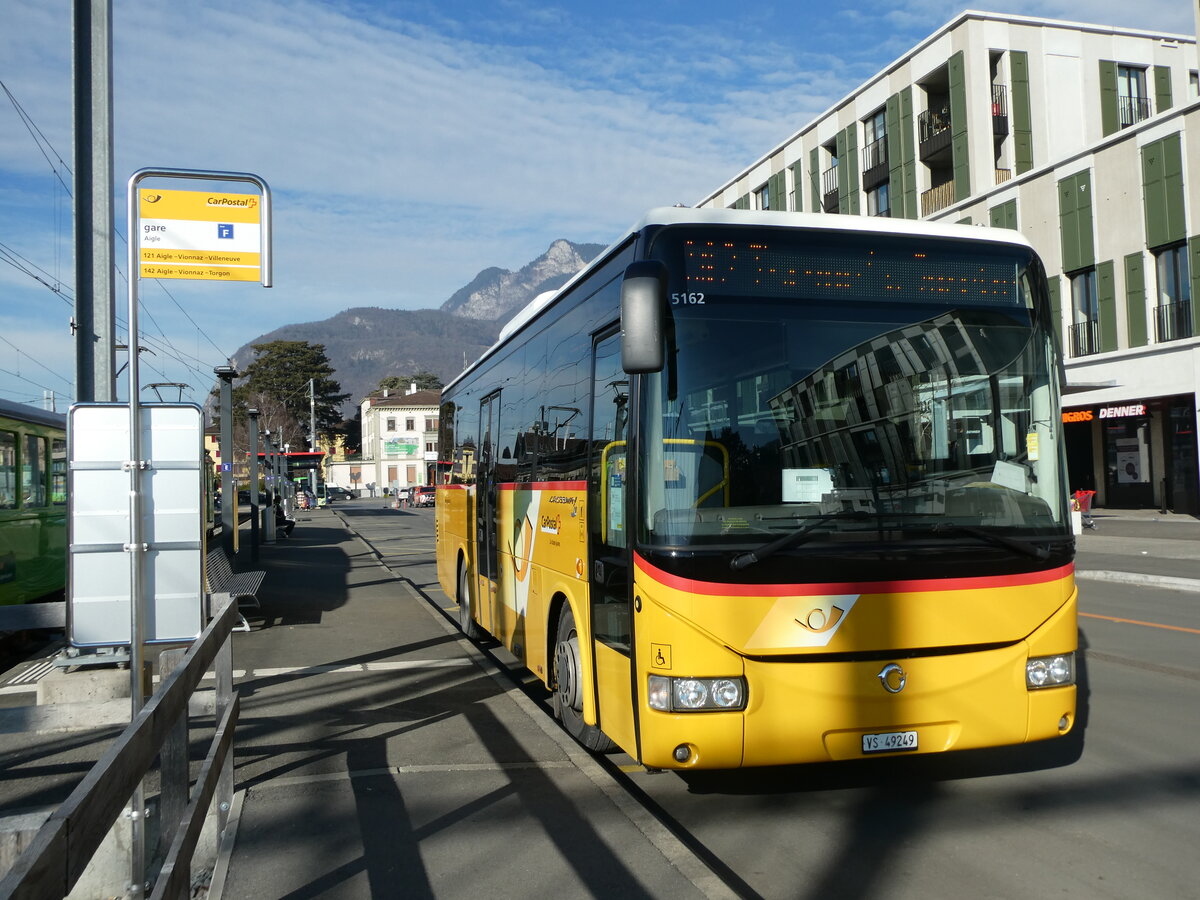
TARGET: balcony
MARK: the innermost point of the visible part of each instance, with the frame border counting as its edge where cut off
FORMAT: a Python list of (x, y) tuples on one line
[(1003, 175), (1133, 110), (875, 164), (1085, 339), (1173, 321), (933, 134), (829, 189), (937, 198), (999, 110)]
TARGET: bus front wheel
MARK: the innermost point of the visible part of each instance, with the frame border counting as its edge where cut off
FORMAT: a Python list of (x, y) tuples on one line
[(568, 687), (465, 622)]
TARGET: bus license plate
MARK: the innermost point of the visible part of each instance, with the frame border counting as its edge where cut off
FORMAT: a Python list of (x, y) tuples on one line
[(890, 742)]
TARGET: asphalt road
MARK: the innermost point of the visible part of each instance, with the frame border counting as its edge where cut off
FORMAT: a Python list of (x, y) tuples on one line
[(1112, 816)]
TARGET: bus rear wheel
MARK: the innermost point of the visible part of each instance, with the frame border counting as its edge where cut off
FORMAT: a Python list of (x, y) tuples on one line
[(465, 623), (568, 687)]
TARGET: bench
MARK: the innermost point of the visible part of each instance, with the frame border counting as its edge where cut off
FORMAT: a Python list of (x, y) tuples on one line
[(241, 586)]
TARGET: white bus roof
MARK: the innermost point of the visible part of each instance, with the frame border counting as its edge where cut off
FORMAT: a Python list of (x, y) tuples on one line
[(686, 215)]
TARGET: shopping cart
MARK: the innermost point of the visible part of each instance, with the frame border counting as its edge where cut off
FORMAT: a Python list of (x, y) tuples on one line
[(1083, 503)]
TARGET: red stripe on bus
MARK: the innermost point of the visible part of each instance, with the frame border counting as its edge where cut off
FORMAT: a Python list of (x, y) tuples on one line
[(542, 486), (851, 587)]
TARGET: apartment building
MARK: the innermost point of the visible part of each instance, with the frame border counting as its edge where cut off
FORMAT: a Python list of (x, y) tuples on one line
[(1086, 138), (399, 439)]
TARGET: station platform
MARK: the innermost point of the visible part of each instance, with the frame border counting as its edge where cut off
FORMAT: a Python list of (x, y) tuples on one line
[(381, 754)]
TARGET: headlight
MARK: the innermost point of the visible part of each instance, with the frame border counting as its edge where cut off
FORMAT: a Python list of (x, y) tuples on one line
[(1050, 671), (695, 694)]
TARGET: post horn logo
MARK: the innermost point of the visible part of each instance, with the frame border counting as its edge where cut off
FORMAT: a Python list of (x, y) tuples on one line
[(818, 623), (151, 198)]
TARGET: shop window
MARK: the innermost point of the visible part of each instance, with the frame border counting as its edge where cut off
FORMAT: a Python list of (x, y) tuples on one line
[(1173, 314), (1085, 311)]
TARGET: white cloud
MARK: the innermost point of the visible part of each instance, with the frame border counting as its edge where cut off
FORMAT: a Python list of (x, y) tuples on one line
[(411, 144)]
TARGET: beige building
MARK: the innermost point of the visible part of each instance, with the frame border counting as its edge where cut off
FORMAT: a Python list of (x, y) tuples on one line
[(399, 439), (1086, 138)]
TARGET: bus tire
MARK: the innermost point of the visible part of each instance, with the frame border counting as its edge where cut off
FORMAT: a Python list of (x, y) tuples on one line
[(568, 687), (466, 623)]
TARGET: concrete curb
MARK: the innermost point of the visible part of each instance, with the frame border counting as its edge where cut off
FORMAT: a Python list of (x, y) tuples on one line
[(1142, 580)]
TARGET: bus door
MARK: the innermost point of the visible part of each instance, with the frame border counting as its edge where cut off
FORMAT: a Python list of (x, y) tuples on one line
[(487, 511), (611, 591)]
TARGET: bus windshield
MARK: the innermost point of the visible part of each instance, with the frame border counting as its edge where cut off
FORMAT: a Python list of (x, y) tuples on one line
[(849, 386)]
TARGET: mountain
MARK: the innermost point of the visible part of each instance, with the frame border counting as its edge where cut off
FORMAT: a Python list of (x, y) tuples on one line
[(498, 294), (365, 344)]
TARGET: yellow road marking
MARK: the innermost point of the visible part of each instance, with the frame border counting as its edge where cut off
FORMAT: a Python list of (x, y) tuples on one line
[(1146, 624)]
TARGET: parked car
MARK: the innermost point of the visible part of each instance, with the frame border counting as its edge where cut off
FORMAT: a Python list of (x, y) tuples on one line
[(336, 492), (423, 495)]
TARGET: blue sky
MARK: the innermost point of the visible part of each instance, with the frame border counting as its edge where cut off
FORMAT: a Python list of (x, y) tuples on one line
[(410, 144)]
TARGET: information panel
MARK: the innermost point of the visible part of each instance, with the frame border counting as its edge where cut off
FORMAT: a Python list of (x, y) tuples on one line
[(171, 489), (199, 234)]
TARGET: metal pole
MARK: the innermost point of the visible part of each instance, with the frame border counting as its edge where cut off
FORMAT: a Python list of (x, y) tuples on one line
[(312, 433), (95, 291), (254, 535), (135, 548), (229, 498)]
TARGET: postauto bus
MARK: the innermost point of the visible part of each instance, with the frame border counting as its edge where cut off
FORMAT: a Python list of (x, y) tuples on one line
[(757, 489)]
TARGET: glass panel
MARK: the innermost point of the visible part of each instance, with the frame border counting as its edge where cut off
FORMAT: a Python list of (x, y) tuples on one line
[(844, 382), (33, 472), (58, 472), (8, 470)]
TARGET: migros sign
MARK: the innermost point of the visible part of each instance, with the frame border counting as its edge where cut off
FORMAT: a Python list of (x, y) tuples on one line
[(1128, 411)]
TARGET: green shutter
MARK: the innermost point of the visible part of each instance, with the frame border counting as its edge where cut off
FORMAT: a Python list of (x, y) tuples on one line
[(854, 182), (909, 140), (1135, 299), (1162, 191), (843, 174), (1075, 221), (1109, 116), (1022, 117), (777, 192), (1004, 215), (895, 145), (1162, 88), (1194, 265), (743, 202), (814, 174), (1106, 304), (798, 184), (964, 221), (1052, 283), (960, 147)]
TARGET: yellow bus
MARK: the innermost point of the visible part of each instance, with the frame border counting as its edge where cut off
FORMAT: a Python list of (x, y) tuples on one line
[(764, 488)]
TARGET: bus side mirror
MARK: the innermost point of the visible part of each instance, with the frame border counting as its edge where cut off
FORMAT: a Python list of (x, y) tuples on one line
[(643, 300)]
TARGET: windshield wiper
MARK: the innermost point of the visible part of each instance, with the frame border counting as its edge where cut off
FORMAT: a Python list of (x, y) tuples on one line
[(1024, 547), (791, 539)]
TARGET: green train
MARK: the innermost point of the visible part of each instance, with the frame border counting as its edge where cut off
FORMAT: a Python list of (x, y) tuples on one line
[(33, 503)]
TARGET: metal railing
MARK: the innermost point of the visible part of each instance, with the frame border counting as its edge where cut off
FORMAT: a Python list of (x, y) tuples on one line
[(933, 132), (829, 189), (999, 110), (62, 848), (937, 198), (1133, 110), (875, 154), (1173, 321), (1085, 338)]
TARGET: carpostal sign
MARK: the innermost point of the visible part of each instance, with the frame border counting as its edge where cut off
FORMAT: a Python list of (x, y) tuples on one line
[(200, 234)]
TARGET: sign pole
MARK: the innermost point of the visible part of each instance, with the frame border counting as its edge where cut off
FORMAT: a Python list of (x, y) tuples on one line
[(176, 240), (135, 548)]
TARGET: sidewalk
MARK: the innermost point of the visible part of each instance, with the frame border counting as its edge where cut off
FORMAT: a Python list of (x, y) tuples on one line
[(379, 754), (1138, 546)]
